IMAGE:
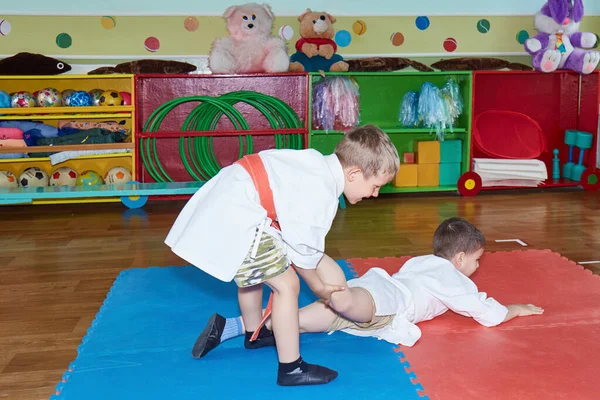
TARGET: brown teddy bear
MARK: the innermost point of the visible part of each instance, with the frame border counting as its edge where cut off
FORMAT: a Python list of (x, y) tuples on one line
[(316, 49)]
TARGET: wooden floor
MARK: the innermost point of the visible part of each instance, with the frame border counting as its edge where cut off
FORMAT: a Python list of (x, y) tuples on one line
[(58, 262)]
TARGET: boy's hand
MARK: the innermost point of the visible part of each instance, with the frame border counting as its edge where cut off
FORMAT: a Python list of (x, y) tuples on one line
[(529, 309), (522, 310), (326, 290)]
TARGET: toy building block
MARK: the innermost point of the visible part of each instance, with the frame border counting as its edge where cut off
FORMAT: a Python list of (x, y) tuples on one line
[(408, 158), (449, 173), (583, 140), (428, 152), (451, 151), (407, 176), (428, 175)]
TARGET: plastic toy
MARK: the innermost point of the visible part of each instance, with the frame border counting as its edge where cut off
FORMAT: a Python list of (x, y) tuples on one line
[(48, 97), (555, 165), (80, 98), (95, 94), (4, 99), (336, 103), (22, 99), (583, 140), (110, 98)]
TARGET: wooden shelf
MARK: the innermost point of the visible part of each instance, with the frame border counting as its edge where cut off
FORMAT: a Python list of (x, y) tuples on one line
[(46, 159), (71, 147), (63, 110)]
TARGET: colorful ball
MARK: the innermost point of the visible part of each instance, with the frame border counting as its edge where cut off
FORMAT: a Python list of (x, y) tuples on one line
[(191, 24), (152, 44), (5, 27), (33, 177), (117, 175), (522, 36), (397, 39), (8, 180), (22, 99), (359, 27), (126, 98), (483, 26), (422, 23), (48, 97), (4, 99), (81, 98), (111, 98), (95, 95), (108, 22), (66, 97), (286, 32), (63, 176), (450, 44), (343, 38), (89, 178), (64, 40)]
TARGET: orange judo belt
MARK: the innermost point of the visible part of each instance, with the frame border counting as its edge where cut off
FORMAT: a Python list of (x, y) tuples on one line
[(253, 164)]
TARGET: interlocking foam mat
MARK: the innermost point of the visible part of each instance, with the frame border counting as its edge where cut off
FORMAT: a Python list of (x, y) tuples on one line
[(139, 347), (551, 356)]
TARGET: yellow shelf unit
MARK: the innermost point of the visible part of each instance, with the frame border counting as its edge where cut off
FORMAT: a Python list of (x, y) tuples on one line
[(101, 163)]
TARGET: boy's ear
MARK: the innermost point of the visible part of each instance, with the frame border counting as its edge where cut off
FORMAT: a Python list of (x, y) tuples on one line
[(352, 173), (459, 259)]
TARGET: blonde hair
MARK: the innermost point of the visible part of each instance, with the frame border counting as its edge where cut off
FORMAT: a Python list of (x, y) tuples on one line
[(369, 148)]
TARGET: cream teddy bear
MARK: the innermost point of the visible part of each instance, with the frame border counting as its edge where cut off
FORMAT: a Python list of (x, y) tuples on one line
[(250, 46)]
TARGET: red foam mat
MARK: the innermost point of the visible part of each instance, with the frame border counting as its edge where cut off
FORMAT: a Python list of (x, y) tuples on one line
[(552, 356)]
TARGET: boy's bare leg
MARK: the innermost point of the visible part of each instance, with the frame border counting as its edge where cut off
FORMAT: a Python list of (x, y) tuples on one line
[(354, 303), (315, 317), (284, 315), (250, 300), (293, 370)]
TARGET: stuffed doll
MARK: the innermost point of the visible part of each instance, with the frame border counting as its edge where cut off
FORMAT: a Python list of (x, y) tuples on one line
[(250, 46), (316, 49), (559, 44)]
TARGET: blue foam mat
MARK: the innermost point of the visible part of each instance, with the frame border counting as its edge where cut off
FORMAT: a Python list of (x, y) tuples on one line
[(139, 347)]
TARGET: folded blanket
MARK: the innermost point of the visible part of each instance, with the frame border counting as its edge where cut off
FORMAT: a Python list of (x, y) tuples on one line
[(113, 126), (12, 143), (90, 136), (44, 129), (11, 133)]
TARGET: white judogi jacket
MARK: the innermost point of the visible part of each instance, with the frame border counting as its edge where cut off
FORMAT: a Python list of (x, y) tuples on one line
[(215, 229), (425, 287)]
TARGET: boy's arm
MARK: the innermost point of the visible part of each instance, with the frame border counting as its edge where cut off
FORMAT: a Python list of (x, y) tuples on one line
[(317, 286)]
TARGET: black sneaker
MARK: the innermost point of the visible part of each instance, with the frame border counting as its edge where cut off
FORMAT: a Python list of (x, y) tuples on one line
[(265, 338), (210, 336), (311, 375)]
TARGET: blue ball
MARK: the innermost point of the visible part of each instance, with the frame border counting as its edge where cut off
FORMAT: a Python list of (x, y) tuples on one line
[(4, 99), (81, 98), (422, 23), (343, 38)]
